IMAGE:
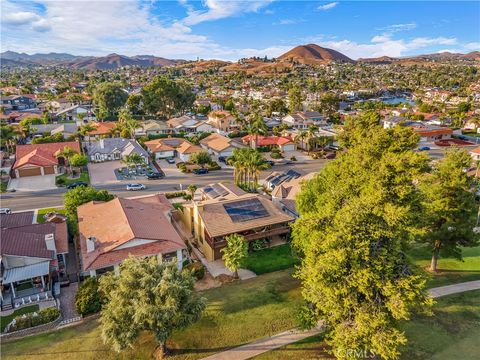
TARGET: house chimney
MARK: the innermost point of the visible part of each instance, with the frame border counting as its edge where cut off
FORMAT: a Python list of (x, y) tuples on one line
[(50, 242), (102, 145), (91, 243)]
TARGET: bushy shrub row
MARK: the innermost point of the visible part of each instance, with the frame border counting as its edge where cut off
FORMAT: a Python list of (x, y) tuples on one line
[(35, 319), (175, 194), (88, 300), (197, 270)]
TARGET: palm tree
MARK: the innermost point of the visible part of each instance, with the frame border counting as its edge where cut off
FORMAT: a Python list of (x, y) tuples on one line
[(67, 153), (257, 127), (311, 136), (7, 137), (300, 137), (85, 129), (256, 163), (191, 189)]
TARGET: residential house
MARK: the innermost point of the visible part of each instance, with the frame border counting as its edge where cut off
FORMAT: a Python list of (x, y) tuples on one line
[(41, 159), (276, 178), (114, 149), (172, 147), (102, 129), (152, 128), (303, 119), (284, 143), (32, 256), (220, 145), (223, 121), (187, 124), (225, 210), (140, 227), (80, 114), (284, 194), (17, 102), (433, 133), (475, 154), (66, 129)]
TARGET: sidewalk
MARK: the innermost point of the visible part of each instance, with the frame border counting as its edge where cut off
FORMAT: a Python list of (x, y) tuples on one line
[(261, 346)]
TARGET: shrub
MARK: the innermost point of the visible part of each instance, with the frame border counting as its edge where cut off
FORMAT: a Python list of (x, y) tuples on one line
[(88, 300), (187, 197), (60, 181), (259, 244), (213, 166), (34, 319), (196, 269), (183, 168), (276, 155), (293, 158), (177, 206), (175, 194)]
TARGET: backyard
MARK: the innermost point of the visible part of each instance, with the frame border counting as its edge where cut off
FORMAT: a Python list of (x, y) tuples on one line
[(271, 259), (236, 314), (5, 320), (42, 212)]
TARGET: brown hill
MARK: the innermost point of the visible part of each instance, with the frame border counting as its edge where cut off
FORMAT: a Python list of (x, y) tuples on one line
[(313, 54), (472, 55), (114, 61), (378, 60)]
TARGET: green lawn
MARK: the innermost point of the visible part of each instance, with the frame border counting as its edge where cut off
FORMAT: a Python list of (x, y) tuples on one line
[(3, 186), (272, 259), (451, 333), (5, 320), (83, 177), (42, 212), (236, 314), (450, 270)]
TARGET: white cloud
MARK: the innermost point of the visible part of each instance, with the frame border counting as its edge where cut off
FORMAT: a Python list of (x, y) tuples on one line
[(327, 6), (218, 9), (399, 27)]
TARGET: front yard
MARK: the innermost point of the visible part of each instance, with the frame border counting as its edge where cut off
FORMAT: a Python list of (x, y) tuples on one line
[(65, 180)]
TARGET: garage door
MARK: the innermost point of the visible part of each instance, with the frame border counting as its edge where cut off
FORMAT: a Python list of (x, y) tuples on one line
[(29, 172), (49, 170)]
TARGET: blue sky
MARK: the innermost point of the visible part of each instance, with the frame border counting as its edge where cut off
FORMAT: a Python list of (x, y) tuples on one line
[(233, 29)]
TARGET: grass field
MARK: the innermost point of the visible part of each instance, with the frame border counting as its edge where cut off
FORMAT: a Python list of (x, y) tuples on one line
[(5, 320), (236, 314), (42, 212), (272, 259), (451, 333), (450, 270)]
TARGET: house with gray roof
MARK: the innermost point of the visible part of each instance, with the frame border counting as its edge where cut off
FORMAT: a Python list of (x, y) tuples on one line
[(114, 149)]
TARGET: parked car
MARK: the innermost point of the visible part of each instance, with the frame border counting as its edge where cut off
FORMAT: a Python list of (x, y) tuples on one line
[(424, 148), (155, 175), (200, 171), (222, 159), (4, 211), (170, 160), (135, 187), (269, 162), (76, 184), (463, 137), (330, 156)]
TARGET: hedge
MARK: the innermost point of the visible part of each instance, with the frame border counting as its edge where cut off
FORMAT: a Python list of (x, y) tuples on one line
[(197, 269), (35, 319), (88, 300)]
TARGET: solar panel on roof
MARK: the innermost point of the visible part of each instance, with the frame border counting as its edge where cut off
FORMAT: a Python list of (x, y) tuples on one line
[(245, 210), (293, 174)]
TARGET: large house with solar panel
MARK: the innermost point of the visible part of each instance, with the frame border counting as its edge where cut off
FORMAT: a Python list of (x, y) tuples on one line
[(225, 209)]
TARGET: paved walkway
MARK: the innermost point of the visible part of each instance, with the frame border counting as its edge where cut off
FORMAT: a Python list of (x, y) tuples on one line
[(261, 346), (454, 289)]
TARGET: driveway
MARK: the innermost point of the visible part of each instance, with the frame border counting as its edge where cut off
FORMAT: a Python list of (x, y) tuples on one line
[(33, 183), (103, 173)]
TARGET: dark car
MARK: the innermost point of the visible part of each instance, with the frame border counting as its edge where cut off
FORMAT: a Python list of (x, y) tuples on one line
[(222, 159), (269, 162), (200, 171), (462, 137), (77, 184), (154, 176), (330, 156), (425, 148), (170, 160)]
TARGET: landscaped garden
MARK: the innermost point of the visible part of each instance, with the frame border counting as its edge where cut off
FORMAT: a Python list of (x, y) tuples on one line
[(65, 180), (270, 259), (5, 320)]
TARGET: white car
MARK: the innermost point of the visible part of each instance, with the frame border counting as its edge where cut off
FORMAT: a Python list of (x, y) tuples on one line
[(5, 211), (135, 187)]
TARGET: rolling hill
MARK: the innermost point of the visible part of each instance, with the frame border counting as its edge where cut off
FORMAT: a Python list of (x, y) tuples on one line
[(313, 54)]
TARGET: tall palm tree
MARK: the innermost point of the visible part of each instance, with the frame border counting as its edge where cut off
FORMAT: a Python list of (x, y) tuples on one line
[(191, 189), (257, 127), (84, 130), (7, 137), (300, 137), (256, 163), (311, 136), (67, 153)]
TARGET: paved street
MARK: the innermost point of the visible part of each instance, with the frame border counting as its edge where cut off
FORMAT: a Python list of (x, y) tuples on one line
[(20, 201)]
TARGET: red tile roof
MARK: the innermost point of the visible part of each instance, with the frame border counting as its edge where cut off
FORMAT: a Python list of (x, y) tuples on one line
[(268, 140), (41, 154), (102, 128), (145, 218)]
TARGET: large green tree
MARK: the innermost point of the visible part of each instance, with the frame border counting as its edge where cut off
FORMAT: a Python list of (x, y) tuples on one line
[(234, 253), (450, 206), (81, 195), (356, 218), (295, 98), (165, 97), (147, 296), (109, 99)]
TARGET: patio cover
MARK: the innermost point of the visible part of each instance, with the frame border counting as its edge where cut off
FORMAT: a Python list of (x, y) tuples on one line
[(26, 272)]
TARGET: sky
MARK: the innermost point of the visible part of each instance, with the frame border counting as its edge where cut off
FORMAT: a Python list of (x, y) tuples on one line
[(230, 30)]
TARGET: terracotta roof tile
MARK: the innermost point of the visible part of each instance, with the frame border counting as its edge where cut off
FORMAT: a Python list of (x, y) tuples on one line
[(41, 154)]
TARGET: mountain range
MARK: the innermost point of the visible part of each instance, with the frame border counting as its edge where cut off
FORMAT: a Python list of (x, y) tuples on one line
[(310, 54)]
